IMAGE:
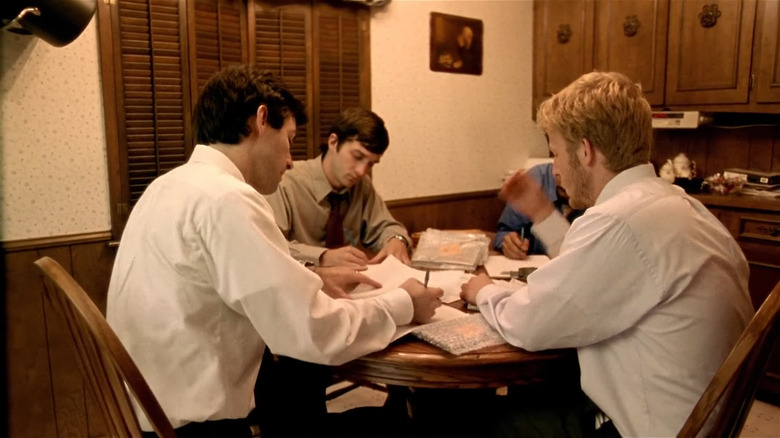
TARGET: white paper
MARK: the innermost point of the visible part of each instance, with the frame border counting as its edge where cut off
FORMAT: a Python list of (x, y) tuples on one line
[(391, 273), (443, 313), (498, 266)]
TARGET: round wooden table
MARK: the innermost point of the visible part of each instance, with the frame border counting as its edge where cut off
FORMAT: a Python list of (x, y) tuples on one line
[(415, 363)]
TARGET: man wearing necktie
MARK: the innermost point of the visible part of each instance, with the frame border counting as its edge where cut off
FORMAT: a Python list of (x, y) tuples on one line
[(327, 206)]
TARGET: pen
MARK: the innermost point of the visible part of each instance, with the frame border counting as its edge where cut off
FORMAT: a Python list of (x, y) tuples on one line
[(350, 237), (427, 276), (522, 235)]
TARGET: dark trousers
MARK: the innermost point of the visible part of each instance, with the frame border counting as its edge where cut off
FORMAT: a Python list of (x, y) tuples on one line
[(290, 397), (239, 428)]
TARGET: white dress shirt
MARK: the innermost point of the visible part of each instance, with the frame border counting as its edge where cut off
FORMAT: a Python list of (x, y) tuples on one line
[(203, 281), (652, 291)]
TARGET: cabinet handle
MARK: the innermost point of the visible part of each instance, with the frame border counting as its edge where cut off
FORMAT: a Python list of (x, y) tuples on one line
[(772, 231), (563, 33), (709, 15), (631, 25)]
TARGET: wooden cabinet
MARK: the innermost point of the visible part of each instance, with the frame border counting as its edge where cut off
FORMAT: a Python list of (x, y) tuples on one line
[(563, 44), (755, 224), (687, 54), (767, 53), (710, 47), (631, 38)]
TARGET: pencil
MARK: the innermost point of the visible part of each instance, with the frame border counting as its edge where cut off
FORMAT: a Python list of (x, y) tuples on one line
[(427, 276)]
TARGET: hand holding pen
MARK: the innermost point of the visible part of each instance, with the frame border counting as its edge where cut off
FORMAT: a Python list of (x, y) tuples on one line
[(515, 245)]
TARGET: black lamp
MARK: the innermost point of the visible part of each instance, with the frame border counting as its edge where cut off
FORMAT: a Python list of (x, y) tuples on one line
[(58, 22)]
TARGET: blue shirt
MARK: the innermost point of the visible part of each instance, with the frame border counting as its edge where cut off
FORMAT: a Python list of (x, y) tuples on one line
[(511, 220)]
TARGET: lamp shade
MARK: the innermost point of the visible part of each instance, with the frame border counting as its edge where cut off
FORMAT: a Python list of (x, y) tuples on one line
[(58, 22)]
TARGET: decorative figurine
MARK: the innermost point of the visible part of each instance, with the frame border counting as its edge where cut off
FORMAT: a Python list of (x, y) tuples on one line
[(684, 167), (666, 172)]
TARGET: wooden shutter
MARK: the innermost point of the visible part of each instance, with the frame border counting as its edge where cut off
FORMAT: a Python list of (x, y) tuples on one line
[(281, 36), (217, 38), (340, 64), (153, 100)]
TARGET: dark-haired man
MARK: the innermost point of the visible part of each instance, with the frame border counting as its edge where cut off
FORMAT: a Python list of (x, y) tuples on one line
[(203, 280), (337, 183)]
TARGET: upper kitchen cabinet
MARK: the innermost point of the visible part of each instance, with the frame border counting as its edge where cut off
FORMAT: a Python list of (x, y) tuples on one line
[(706, 55), (767, 53), (572, 37), (710, 48), (631, 39), (563, 44)]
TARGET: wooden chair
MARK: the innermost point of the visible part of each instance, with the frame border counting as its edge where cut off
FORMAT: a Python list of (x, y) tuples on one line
[(105, 364), (738, 377)]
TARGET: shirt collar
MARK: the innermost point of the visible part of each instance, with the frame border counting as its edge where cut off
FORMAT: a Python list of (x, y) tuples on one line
[(209, 155), (320, 185), (624, 179)]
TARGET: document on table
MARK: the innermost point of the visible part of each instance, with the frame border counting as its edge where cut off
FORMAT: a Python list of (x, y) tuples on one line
[(391, 273), (499, 266)]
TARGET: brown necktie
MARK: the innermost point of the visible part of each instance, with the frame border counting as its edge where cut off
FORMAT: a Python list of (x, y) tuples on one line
[(334, 237)]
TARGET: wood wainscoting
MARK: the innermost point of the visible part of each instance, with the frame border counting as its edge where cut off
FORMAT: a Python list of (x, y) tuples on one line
[(45, 393), (474, 210)]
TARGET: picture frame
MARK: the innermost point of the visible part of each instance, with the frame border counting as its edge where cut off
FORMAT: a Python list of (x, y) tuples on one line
[(456, 44)]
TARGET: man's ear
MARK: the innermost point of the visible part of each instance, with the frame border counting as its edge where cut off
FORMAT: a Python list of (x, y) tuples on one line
[(261, 121), (333, 142), (586, 153)]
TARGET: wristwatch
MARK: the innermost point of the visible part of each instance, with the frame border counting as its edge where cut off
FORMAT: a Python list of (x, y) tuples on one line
[(401, 238)]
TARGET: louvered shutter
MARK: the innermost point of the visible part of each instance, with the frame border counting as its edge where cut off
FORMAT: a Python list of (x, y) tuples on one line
[(154, 94), (339, 63), (280, 40), (219, 29)]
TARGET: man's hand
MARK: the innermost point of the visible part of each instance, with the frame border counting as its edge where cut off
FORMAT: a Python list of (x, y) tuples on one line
[(339, 280), (424, 299), (395, 248), (526, 196), (469, 289), (513, 247), (347, 256)]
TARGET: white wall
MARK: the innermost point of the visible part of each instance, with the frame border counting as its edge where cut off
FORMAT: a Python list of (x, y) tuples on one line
[(452, 133)]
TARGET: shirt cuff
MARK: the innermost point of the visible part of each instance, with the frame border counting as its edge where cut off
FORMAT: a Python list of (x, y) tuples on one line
[(551, 232), (399, 304)]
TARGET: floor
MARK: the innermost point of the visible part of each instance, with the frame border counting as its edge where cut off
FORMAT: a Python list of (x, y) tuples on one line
[(763, 421)]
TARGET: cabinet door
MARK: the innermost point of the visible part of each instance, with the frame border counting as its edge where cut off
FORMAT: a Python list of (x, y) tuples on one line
[(767, 69), (563, 44), (631, 39), (710, 46)]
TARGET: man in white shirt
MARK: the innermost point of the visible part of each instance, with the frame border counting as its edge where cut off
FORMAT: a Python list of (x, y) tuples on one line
[(648, 286), (203, 280)]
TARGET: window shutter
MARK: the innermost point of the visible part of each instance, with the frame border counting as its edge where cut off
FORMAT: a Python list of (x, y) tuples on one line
[(154, 91), (339, 64), (219, 28), (280, 41)]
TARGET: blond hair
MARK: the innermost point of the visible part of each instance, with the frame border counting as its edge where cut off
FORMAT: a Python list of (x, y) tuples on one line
[(607, 109)]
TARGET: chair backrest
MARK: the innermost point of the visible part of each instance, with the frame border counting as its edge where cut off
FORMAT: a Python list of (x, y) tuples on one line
[(738, 377), (105, 364)]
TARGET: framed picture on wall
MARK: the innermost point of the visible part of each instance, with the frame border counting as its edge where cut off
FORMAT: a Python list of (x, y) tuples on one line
[(456, 44)]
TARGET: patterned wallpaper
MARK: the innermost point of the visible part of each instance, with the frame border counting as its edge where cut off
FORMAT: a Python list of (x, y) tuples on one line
[(53, 172), (452, 133)]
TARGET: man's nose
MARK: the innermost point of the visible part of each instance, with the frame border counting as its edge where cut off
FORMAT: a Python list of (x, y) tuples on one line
[(362, 168)]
